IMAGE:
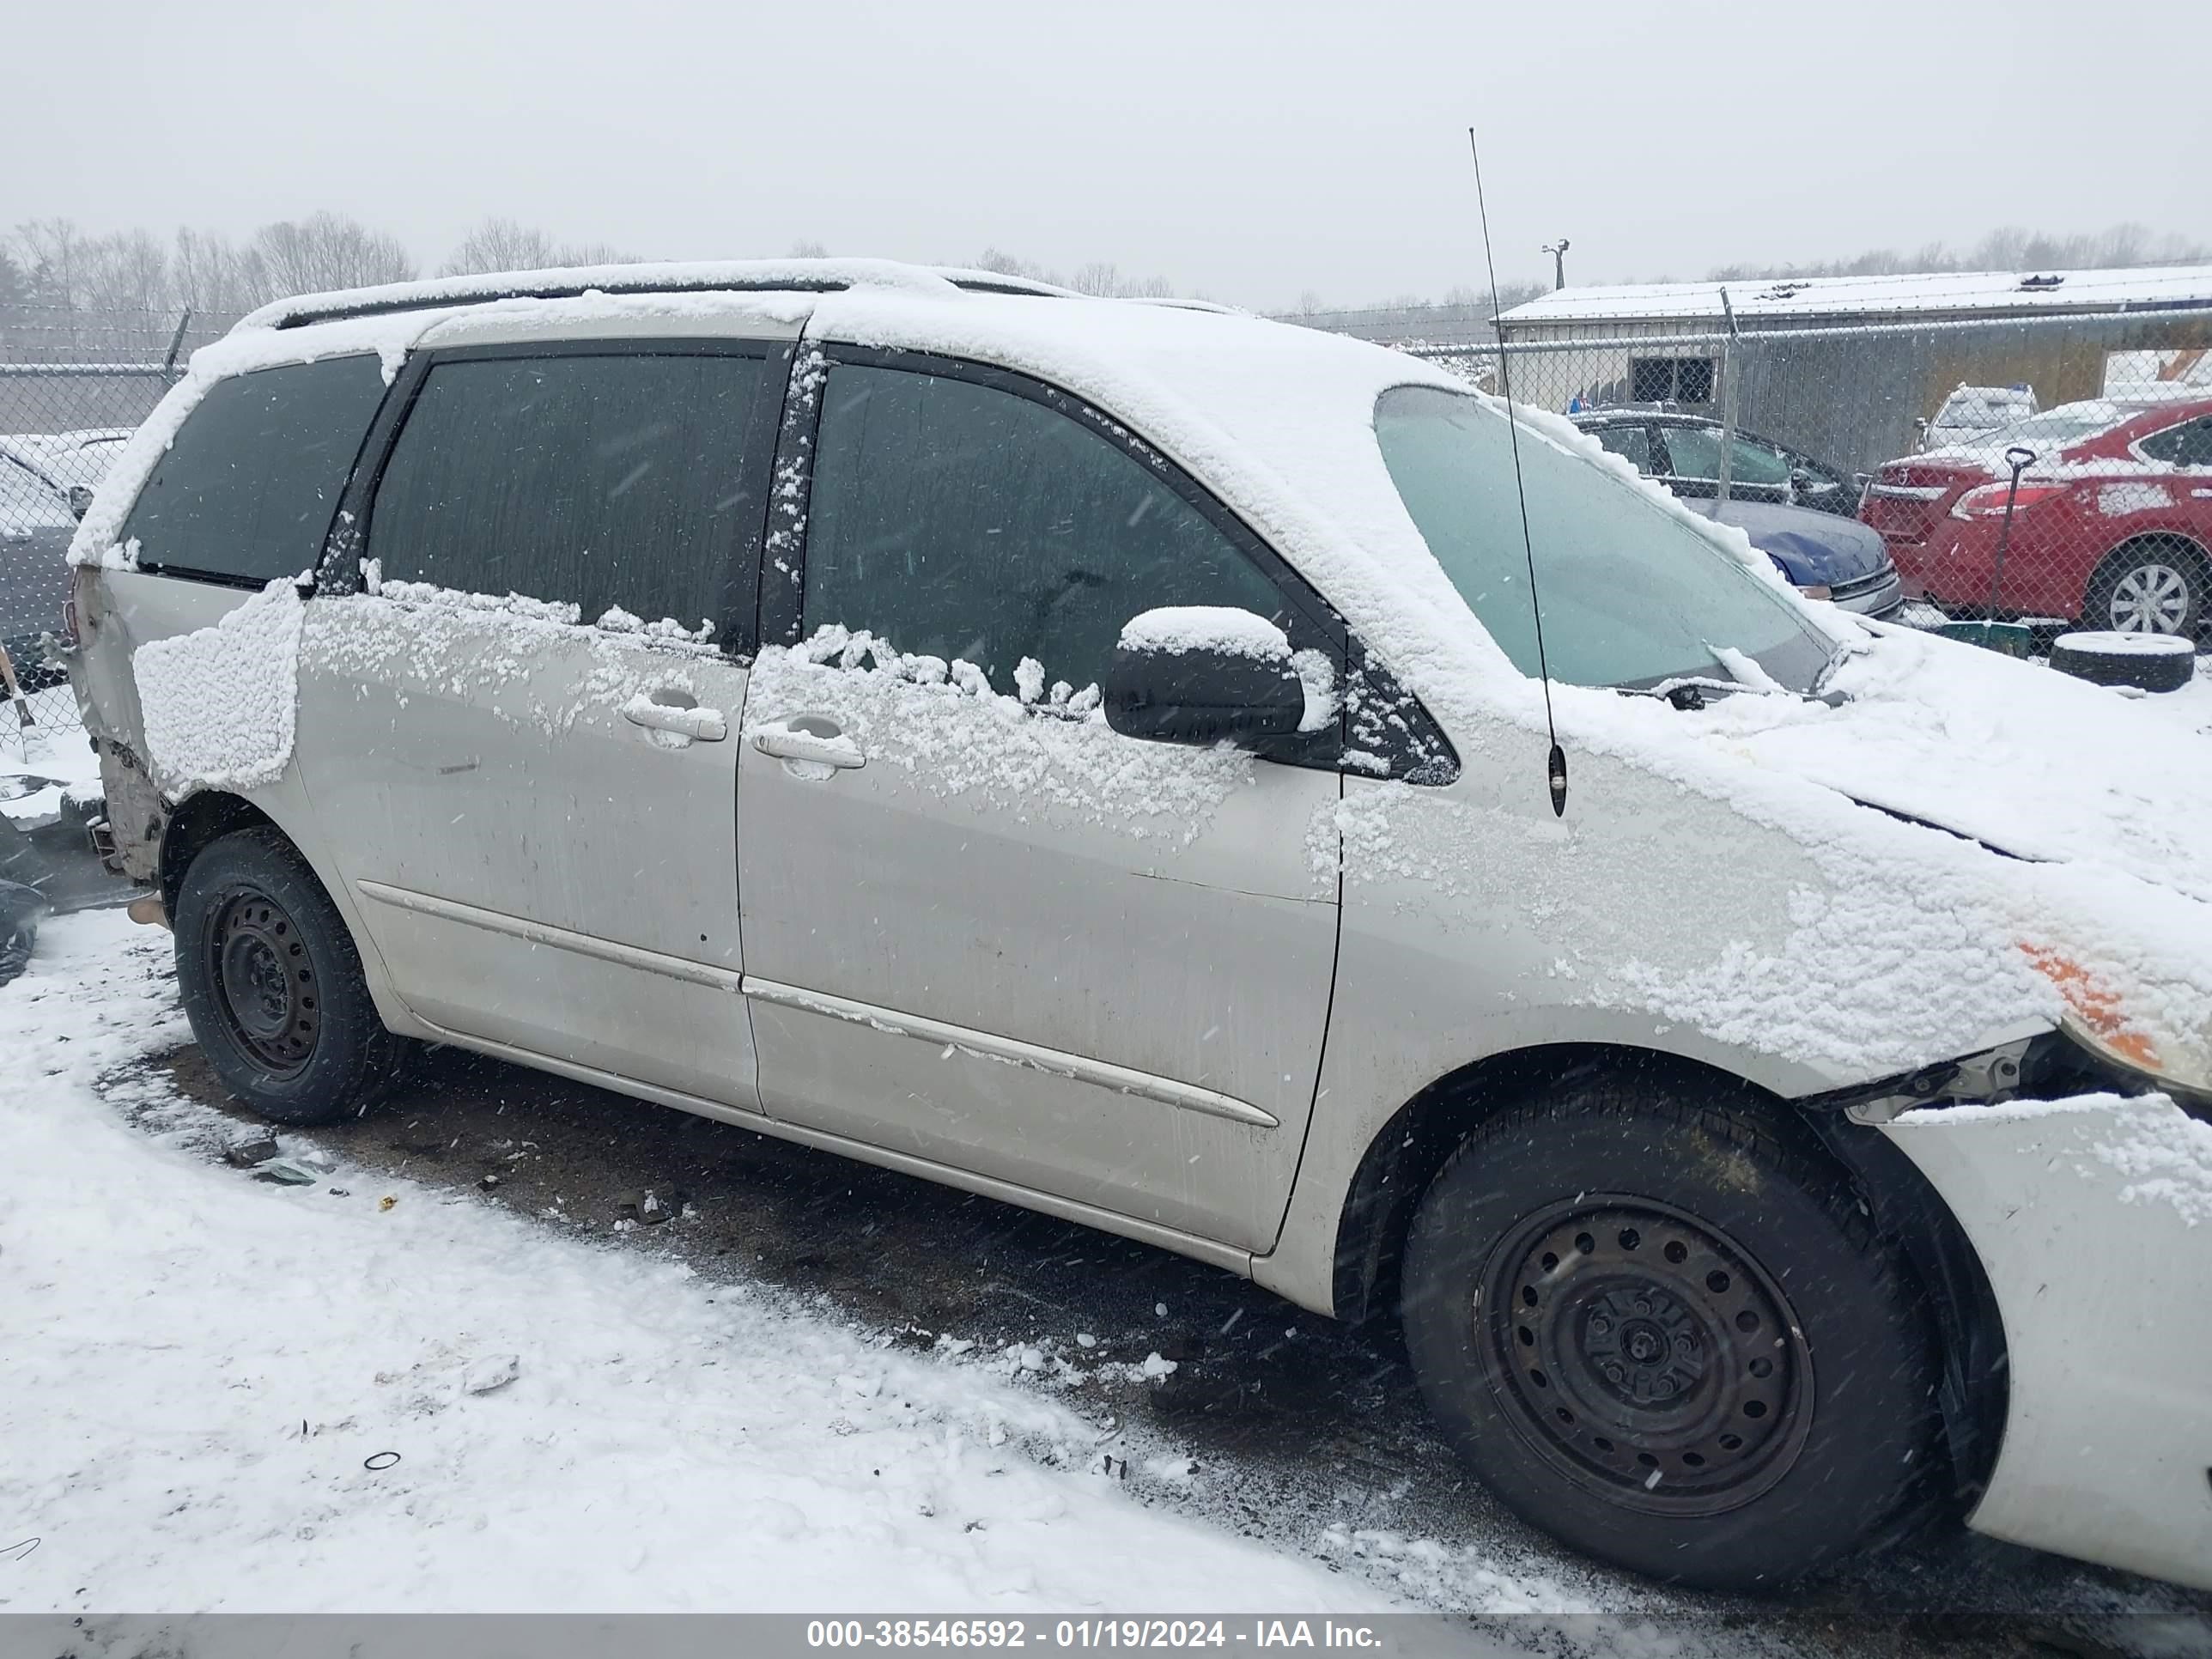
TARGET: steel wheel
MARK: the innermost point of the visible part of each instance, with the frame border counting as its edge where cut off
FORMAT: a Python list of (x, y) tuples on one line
[(2149, 598), (264, 982), (1645, 1356)]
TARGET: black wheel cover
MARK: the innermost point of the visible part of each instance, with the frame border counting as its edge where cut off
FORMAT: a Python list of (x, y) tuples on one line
[(1645, 1356), (264, 982)]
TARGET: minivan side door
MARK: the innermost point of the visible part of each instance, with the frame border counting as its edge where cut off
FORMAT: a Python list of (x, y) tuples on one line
[(982, 929), (517, 734)]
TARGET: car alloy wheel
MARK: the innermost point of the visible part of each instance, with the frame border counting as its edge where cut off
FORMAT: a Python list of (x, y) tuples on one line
[(1645, 1356), (2149, 598), (264, 980)]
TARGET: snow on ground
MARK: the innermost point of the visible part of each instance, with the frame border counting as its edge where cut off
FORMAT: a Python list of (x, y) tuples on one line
[(197, 1369)]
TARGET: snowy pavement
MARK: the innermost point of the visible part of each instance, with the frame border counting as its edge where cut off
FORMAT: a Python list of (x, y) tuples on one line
[(199, 1369), (196, 1367)]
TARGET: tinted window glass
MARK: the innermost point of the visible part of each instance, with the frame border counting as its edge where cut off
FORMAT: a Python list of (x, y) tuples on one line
[(965, 522), (2188, 445), (1631, 443), (248, 487), (600, 481)]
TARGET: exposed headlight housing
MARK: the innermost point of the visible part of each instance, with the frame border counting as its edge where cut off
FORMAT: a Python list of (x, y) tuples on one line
[(2096, 1022)]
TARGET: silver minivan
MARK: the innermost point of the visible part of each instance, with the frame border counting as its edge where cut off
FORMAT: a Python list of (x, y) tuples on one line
[(1094, 754)]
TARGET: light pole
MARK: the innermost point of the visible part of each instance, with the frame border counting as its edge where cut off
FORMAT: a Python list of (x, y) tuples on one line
[(1558, 251)]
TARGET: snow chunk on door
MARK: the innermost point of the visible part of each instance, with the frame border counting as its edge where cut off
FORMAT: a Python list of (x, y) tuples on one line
[(220, 703)]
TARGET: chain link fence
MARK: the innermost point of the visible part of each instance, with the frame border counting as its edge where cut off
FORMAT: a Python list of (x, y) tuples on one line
[(74, 383), (2052, 469)]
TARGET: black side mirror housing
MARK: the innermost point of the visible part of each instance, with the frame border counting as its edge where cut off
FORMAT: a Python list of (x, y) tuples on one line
[(1204, 674), (80, 499)]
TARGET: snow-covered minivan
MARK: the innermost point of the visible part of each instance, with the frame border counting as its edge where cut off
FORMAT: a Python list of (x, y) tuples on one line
[(1094, 753)]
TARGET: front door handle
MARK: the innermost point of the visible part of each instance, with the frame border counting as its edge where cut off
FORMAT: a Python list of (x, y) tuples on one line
[(684, 720), (804, 741)]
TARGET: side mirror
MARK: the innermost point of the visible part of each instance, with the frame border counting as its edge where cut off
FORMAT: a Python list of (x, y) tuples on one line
[(1204, 674), (80, 499)]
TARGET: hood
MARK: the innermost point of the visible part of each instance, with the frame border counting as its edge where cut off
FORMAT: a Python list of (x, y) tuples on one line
[(2093, 812), (1815, 549)]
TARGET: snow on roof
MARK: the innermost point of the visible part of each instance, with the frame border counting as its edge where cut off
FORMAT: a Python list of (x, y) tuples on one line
[(802, 275), (1808, 297)]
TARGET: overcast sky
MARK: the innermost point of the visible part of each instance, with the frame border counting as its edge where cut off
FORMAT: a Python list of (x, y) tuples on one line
[(1253, 153)]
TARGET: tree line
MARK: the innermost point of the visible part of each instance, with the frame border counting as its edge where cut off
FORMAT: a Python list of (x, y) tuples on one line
[(51, 262)]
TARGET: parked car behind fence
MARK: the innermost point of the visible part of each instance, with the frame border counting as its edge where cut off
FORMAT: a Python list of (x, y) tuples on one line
[(2110, 524)]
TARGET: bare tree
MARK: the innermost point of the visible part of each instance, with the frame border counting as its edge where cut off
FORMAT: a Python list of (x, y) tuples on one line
[(500, 244), (806, 248), (211, 274), (328, 250)]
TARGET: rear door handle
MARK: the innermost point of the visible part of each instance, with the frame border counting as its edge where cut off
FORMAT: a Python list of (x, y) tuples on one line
[(707, 724), (789, 740)]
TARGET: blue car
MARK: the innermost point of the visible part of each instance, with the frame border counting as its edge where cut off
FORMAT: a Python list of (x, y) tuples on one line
[(1824, 556)]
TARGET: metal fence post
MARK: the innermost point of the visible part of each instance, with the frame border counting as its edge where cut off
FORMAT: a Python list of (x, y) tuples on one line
[(1728, 405)]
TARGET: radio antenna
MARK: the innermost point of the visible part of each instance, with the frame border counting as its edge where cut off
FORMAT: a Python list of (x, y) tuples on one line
[(1555, 764)]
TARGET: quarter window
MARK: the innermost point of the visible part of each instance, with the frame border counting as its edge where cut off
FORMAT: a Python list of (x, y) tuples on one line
[(962, 521), (603, 481), (246, 489)]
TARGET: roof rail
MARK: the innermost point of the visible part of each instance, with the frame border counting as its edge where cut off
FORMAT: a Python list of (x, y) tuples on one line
[(727, 276)]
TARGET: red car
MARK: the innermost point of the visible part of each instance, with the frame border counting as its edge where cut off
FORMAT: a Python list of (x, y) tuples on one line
[(2113, 526)]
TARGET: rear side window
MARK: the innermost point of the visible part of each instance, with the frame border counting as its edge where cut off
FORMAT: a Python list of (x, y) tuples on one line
[(2187, 444), (247, 488), (961, 521), (601, 481)]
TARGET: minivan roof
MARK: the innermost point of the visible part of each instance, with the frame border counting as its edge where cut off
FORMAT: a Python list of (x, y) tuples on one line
[(690, 276)]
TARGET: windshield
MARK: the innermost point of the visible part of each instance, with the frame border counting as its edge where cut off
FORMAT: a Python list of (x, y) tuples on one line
[(1631, 596)]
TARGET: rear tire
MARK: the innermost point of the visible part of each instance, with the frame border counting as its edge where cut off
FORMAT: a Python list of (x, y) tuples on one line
[(2150, 586), (273, 986), (1671, 1341)]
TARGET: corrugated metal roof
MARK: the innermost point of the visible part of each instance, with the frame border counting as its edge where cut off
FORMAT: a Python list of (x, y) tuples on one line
[(1811, 297)]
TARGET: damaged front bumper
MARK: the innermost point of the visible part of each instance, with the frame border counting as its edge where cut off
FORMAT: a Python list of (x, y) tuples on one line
[(2088, 1203)]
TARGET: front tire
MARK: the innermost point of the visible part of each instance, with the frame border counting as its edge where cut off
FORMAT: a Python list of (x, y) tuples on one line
[(273, 986), (1662, 1335)]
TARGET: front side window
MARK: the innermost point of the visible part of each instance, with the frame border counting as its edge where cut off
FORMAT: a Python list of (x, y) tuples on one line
[(606, 481), (959, 520), (2189, 443), (1694, 451), (1631, 596), (248, 486)]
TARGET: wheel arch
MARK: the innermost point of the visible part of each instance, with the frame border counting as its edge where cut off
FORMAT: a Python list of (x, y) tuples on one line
[(2189, 546), (1414, 1143), (207, 815), (203, 816)]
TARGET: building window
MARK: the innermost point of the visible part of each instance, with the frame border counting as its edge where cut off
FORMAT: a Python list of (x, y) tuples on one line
[(1670, 380)]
